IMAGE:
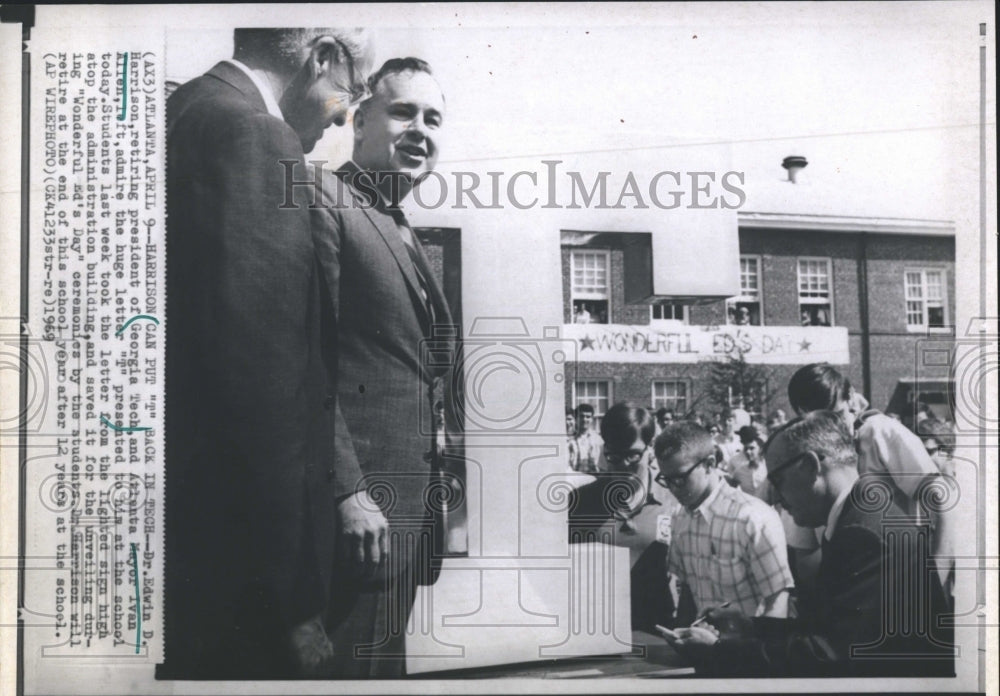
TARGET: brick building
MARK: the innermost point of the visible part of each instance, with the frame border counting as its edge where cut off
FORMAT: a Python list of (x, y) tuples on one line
[(825, 274), (886, 284)]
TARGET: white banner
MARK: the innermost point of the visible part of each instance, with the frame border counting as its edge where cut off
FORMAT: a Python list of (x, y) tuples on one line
[(768, 345)]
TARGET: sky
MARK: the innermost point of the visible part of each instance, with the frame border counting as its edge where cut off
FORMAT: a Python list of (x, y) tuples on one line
[(882, 98)]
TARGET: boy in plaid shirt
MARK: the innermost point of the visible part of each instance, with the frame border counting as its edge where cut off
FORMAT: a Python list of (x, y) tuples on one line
[(728, 547)]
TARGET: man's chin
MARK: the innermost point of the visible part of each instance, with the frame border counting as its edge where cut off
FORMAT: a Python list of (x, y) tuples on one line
[(308, 144)]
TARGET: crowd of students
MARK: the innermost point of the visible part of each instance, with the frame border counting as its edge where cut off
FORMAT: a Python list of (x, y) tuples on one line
[(814, 547)]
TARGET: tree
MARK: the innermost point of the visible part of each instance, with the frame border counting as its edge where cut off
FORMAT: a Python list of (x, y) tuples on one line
[(735, 383)]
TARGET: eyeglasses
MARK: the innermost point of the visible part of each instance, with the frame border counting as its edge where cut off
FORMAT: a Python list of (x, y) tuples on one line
[(677, 480), (630, 458), (357, 90)]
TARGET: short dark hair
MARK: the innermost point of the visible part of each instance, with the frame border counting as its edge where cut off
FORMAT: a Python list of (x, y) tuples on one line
[(817, 387), (584, 408), (748, 434), (623, 423), (662, 411), (393, 66), (686, 439)]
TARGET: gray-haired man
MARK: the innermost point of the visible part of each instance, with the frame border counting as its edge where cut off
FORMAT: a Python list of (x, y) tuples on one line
[(250, 508)]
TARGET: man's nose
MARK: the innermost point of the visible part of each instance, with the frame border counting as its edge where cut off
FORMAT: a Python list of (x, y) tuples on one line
[(418, 125)]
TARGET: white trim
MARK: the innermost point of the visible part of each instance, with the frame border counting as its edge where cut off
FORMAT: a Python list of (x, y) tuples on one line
[(828, 300), (750, 299), (841, 223), (573, 295)]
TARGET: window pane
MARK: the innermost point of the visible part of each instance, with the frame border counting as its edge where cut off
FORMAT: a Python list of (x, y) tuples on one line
[(749, 277), (590, 273), (664, 311), (594, 393), (670, 394), (925, 294), (935, 317), (933, 285), (814, 278)]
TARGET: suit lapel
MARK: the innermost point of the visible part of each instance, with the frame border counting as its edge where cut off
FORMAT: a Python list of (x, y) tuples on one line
[(386, 228)]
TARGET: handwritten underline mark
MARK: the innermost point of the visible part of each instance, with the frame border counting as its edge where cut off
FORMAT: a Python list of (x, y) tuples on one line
[(123, 428), (148, 317)]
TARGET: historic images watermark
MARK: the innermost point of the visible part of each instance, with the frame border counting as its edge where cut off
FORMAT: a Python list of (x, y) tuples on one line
[(525, 189)]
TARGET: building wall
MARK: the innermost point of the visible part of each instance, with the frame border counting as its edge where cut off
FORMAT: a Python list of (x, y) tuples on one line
[(894, 351)]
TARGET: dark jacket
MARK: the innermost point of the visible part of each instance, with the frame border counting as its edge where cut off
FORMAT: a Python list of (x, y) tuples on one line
[(250, 507), (878, 607), (378, 331)]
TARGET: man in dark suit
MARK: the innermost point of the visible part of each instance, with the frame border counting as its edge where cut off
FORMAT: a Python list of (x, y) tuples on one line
[(879, 601), (381, 303), (250, 506)]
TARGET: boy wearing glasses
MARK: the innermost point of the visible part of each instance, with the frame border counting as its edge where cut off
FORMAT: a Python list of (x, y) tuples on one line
[(879, 606), (625, 506), (728, 547)]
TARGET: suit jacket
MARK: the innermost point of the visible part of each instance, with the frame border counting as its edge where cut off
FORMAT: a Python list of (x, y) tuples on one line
[(249, 444), (878, 606), (377, 324)]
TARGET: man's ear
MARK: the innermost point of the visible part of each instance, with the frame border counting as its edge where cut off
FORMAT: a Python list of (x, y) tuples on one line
[(810, 463), (712, 459), (359, 122), (324, 54)]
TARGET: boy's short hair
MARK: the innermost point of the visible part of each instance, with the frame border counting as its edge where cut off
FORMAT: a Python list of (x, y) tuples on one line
[(584, 408), (623, 423), (817, 387), (684, 439), (750, 433)]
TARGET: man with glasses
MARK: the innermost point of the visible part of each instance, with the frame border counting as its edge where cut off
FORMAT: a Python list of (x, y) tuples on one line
[(250, 507), (879, 602), (626, 506), (381, 303), (728, 547)]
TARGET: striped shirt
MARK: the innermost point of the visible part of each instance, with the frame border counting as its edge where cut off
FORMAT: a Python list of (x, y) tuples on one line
[(730, 549)]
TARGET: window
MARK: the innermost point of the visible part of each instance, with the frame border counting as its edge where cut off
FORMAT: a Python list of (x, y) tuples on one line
[(589, 288), (753, 398), (745, 308), (672, 394), (926, 299), (815, 297), (597, 393), (668, 311)]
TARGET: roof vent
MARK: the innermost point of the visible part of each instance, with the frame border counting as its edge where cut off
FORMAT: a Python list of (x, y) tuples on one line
[(794, 164)]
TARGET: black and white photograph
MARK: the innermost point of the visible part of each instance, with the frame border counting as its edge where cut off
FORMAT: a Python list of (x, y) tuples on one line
[(513, 347)]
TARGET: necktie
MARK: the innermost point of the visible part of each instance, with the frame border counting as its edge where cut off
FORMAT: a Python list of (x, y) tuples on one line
[(419, 265)]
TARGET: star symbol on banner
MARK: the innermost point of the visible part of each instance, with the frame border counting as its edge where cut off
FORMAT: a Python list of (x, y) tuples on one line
[(804, 345), (586, 342)]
